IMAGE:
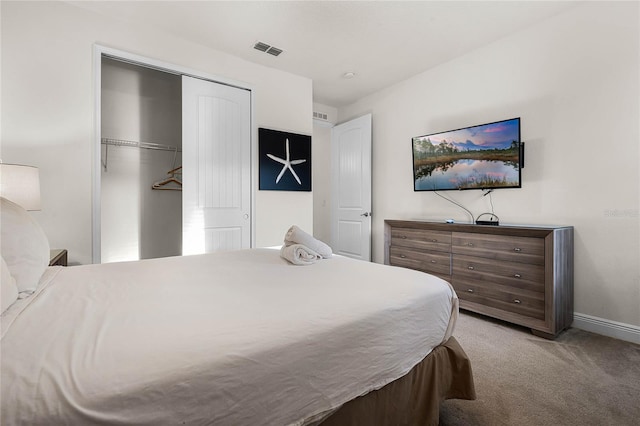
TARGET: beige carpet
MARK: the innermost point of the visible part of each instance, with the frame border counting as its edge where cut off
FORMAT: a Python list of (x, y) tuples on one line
[(580, 378)]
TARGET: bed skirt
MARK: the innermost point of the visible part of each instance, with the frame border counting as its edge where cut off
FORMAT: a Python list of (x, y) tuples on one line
[(415, 398)]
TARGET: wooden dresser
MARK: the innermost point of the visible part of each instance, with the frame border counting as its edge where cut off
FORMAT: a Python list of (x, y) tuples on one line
[(520, 274)]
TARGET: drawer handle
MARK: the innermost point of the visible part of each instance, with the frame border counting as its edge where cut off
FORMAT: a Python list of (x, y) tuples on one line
[(517, 275), (471, 268), (404, 237), (433, 261), (402, 256), (434, 240), (517, 249), (470, 244), (470, 290), (517, 301)]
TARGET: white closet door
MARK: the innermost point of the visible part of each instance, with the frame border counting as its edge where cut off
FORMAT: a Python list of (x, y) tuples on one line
[(216, 167)]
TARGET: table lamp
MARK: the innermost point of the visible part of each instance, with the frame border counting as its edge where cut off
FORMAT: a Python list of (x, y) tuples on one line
[(21, 185)]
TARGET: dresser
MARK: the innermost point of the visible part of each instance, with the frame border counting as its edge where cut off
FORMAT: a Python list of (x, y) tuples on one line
[(520, 274)]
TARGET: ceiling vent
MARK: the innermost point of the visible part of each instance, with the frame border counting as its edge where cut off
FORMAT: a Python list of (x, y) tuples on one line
[(264, 47)]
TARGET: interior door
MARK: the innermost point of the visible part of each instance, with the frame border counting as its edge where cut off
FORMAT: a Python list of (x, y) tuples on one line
[(216, 158), (351, 188)]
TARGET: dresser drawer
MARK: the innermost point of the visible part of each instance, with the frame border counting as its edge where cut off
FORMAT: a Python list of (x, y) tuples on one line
[(421, 239), (523, 302), (500, 247), (433, 262), (513, 274)]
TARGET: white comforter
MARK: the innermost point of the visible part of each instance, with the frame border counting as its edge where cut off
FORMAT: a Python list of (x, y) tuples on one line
[(237, 338)]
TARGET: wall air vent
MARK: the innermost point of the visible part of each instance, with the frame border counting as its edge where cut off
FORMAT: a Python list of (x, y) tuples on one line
[(320, 115), (264, 47)]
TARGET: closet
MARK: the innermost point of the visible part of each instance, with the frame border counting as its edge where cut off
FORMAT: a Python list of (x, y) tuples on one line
[(151, 204), (141, 128)]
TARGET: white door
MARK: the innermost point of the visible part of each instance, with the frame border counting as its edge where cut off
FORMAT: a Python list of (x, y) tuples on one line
[(351, 188), (216, 167)]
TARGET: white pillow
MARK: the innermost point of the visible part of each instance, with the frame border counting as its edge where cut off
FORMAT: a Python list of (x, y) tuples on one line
[(24, 245), (9, 291)]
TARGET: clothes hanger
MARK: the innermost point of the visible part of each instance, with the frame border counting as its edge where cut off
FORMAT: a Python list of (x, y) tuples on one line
[(161, 184), (175, 171)]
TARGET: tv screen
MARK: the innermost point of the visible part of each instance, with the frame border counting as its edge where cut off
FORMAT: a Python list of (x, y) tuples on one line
[(487, 156)]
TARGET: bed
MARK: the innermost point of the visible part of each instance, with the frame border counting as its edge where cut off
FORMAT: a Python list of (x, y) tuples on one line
[(233, 338)]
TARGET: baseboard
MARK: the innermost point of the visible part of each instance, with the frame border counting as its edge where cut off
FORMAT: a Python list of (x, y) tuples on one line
[(617, 330)]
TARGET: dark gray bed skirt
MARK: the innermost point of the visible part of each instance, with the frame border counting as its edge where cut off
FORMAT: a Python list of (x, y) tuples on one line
[(415, 398)]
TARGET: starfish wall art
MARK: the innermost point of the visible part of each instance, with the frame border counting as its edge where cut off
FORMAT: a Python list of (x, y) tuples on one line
[(285, 161)]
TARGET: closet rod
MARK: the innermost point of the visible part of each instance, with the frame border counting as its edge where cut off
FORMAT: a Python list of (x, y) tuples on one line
[(136, 144)]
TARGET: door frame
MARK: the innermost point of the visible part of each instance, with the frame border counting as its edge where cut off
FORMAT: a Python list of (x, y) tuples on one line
[(98, 52)]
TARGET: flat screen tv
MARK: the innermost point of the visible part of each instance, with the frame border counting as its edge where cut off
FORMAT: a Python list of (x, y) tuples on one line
[(487, 156)]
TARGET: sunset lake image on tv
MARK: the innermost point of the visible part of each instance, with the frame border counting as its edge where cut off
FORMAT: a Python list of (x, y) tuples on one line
[(479, 157)]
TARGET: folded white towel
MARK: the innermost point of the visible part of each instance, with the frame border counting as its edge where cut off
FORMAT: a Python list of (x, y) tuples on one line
[(299, 254), (295, 235)]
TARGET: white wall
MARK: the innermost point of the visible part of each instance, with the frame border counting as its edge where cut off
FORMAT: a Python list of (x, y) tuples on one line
[(574, 81), (48, 110), (321, 154)]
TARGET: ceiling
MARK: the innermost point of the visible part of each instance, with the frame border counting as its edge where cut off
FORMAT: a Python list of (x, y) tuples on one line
[(382, 42)]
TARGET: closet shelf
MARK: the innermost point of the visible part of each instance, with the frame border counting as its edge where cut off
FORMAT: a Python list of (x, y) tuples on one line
[(136, 144)]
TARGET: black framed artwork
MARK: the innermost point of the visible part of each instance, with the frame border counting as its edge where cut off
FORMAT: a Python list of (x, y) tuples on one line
[(284, 161)]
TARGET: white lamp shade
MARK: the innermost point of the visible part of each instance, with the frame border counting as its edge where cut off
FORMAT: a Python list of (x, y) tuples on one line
[(20, 184)]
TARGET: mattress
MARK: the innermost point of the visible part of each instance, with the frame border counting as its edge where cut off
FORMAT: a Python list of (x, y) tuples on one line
[(234, 338)]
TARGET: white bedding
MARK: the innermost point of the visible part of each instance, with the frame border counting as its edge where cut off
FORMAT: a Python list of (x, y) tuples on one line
[(235, 338)]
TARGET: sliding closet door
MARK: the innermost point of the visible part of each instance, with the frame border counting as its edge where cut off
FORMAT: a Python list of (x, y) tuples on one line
[(216, 158)]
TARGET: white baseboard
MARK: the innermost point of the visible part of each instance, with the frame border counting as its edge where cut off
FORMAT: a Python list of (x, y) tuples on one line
[(617, 330)]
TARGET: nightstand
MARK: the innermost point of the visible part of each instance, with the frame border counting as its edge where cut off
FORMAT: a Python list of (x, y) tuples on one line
[(58, 257)]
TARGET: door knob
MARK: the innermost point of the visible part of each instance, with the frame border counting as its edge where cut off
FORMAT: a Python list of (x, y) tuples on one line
[(366, 214)]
